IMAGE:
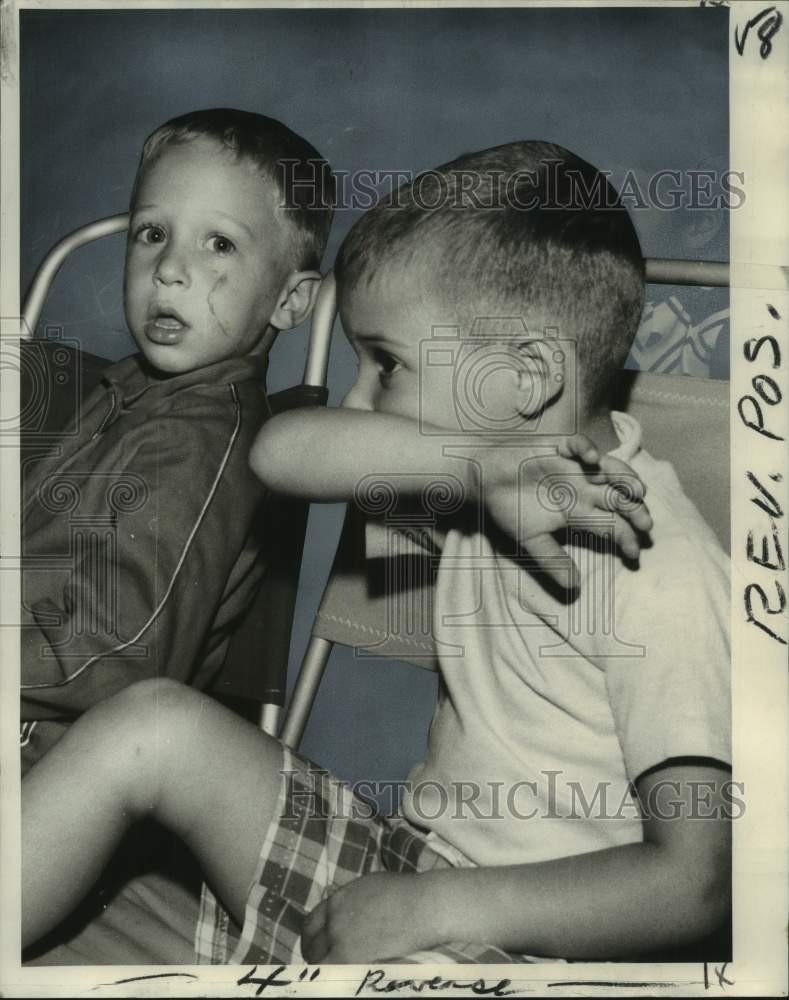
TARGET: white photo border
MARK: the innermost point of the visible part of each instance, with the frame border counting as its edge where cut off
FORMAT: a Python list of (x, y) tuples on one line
[(759, 128)]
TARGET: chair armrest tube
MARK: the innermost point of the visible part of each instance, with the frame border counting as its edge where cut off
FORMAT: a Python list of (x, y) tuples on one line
[(45, 275), (317, 365), (709, 273)]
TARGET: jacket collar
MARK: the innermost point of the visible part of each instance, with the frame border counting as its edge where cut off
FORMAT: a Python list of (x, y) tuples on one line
[(133, 379)]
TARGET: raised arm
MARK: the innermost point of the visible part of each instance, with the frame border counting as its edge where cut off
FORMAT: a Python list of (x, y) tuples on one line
[(325, 454)]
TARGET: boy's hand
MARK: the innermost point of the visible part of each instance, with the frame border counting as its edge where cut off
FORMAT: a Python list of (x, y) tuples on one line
[(375, 917), (531, 498)]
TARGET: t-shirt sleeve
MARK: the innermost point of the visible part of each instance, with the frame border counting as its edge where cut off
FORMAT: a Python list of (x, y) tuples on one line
[(672, 699), (149, 562)]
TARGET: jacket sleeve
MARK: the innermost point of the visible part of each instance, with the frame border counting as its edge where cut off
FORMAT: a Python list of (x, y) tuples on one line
[(150, 559)]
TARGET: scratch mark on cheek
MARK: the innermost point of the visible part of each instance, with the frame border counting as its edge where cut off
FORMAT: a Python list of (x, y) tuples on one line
[(220, 281)]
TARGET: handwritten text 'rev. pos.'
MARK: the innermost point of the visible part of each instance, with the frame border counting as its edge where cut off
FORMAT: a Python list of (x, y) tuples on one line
[(761, 411)]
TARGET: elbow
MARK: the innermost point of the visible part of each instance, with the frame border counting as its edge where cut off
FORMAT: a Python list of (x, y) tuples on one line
[(708, 895), (716, 895)]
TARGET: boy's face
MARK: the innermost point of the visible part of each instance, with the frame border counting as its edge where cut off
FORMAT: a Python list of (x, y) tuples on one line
[(205, 260), (411, 365)]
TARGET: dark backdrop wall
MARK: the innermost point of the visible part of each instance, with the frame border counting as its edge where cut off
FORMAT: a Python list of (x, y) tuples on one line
[(628, 89)]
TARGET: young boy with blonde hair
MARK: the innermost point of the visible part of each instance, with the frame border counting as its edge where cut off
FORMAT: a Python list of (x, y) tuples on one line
[(140, 547)]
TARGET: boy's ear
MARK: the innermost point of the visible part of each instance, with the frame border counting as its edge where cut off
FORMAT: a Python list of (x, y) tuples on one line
[(542, 371), (296, 299)]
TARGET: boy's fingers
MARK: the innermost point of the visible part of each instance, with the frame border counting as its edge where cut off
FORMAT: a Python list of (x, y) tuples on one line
[(552, 560), (314, 938), (628, 527), (620, 475), (579, 446), (626, 537), (620, 494), (596, 476), (628, 506), (640, 518), (315, 949), (629, 487), (316, 918), (606, 471)]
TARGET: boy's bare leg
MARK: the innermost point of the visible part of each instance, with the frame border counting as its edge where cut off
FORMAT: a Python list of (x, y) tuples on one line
[(157, 749)]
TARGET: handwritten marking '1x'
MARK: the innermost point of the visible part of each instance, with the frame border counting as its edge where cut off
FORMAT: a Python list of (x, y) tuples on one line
[(771, 19), (720, 972)]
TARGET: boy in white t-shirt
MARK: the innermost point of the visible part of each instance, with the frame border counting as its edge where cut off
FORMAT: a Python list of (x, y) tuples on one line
[(574, 801)]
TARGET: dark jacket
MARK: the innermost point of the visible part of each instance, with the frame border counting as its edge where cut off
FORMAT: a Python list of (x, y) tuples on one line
[(139, 547)]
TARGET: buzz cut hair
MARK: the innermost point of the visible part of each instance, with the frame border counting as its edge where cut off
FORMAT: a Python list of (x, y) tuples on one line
[(527, 228), (303, 178)]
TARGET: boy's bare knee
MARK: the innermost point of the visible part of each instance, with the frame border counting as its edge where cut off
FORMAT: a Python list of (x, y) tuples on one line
[(138, 709), (152, 689), (160, 695), (160, 702), (155, 710), (142, 724)]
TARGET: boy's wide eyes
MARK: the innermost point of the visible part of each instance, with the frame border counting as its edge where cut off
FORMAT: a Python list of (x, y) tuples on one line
[(153, 235), (150, 234), (221, 245)]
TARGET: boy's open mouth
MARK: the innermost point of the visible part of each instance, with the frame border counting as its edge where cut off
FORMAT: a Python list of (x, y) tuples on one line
[(165, 326)]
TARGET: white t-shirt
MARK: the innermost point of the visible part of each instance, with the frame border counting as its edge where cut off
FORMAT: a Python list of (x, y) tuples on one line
[(550, 710)]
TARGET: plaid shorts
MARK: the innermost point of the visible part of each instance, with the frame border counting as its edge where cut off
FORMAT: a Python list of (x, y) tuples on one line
[(324, 838)]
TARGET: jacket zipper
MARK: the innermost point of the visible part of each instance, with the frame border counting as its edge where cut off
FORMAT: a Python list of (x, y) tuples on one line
[(106, 420)]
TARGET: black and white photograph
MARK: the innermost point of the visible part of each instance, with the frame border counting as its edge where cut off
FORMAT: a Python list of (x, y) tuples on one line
[(393, 513)]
